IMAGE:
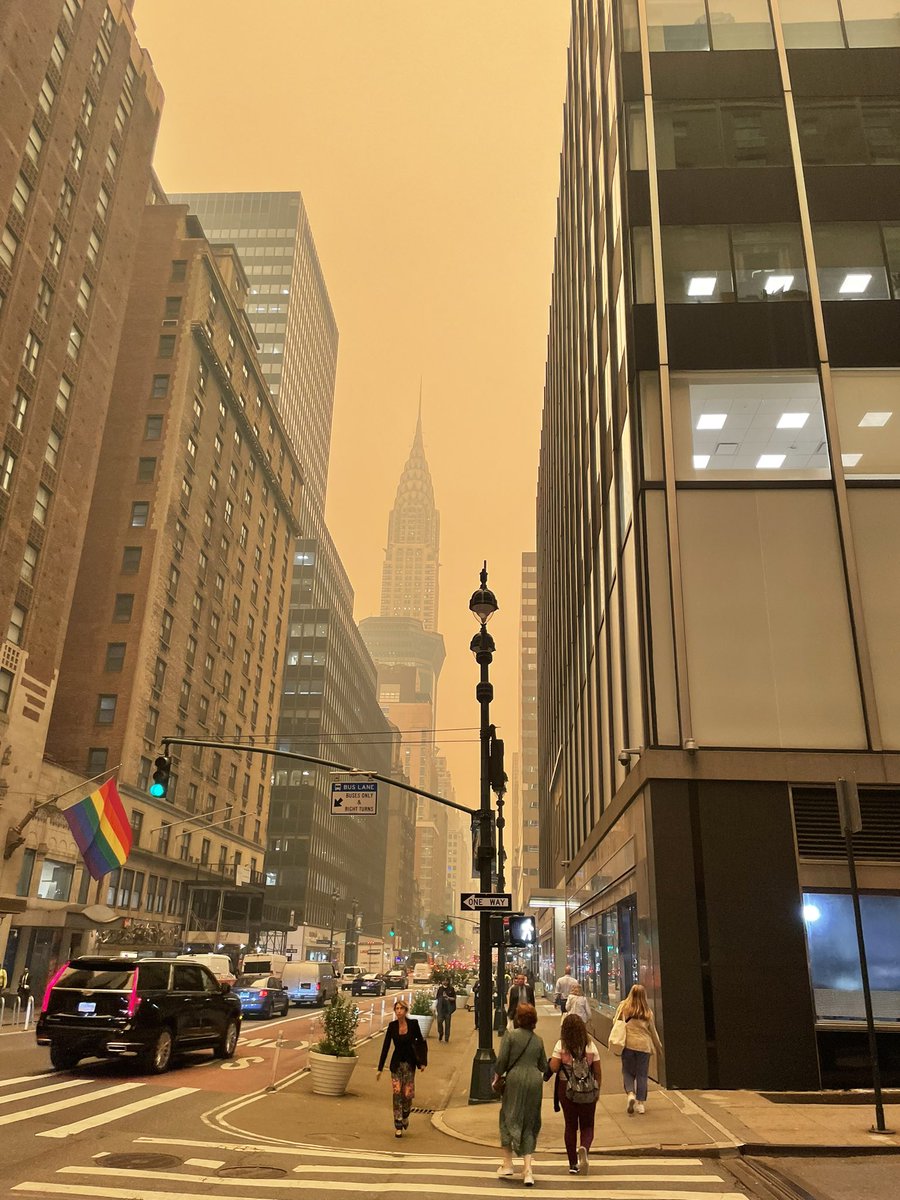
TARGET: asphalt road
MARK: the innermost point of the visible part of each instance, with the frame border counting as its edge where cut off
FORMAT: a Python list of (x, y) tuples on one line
[(859, 1178)]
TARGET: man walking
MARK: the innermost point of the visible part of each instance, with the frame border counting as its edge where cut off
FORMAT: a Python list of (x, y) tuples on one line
[(521, 992), (564, 986), (446, 1007)]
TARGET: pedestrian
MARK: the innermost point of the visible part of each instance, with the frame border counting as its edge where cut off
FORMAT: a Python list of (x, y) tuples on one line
[(641, 1039), (521, 1064), (24, 988), (579, 1004), (4, 979), (564, 985), (410, 1054), (475, 991), (445, 999), (520, 993), (576, 1062)]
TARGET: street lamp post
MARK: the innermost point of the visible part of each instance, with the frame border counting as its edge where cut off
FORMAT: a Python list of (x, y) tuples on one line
[(335, 896), (483, 605)]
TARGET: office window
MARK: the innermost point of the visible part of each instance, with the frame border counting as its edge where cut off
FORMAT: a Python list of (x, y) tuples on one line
[(811, 24), (97, 757), (881, 123), (115, 656), (42, 504), (850, 258), (741, 25), (891, 235), (677, 25), (102, 209), (14, 632), (868, 412), (160, 387), (123, 606), (76, 154), (46, 97), (831, 132), (768, 262), (44, 300), (172, 308), (112, 160), (755, 135), (106, 709), (87, 108), (697, 264), (146, 469), (871, 22), (140, 512), (58, 52)]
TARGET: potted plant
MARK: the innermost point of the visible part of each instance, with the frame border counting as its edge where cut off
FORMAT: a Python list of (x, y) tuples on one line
[(332, 1060), (423, 1010)]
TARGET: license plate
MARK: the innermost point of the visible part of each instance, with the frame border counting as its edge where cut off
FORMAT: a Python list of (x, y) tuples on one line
[(87, 1006)]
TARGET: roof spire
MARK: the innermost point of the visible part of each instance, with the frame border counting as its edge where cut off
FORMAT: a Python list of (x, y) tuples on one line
[(417, 439)]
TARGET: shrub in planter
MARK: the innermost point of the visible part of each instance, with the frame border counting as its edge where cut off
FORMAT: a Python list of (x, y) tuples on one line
[(340, 1018), (422, 1005)]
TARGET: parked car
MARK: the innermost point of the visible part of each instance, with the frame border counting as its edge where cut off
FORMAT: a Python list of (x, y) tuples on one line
[(395, 979), (219, 964), (262, 994), (310, 982), (148, 1009), (347, 977), (368, 985)]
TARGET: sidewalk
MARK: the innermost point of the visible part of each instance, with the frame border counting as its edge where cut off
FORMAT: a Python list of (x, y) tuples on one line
[(443, 1122)]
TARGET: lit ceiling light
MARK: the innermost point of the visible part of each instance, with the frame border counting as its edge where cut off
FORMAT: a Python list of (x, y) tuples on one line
[(850, 460), (704, 285), (778, 283), (811, 913), (770, 462), (855, 285), (701, 461), (793, 420), (875, 419), (711, 420)]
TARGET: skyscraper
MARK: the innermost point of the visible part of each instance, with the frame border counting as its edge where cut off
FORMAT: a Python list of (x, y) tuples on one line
[(78, 121), (719, 530), (526, 865)]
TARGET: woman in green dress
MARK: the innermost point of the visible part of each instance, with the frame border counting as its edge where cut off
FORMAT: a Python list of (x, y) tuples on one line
[(523, 1060)]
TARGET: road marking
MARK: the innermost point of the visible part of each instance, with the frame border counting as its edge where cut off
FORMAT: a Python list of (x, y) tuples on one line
[(12, 1118), (25, 1079), (49, 1086), (212, 1163), (240, 1064), (599, 1168), (116, 1114)]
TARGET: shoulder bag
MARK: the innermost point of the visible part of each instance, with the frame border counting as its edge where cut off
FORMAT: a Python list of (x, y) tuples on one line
[(498, 1083), (617, 1035)]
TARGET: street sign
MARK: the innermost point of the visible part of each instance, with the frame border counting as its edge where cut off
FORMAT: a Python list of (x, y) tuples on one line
[(475, 901), (358, 797)]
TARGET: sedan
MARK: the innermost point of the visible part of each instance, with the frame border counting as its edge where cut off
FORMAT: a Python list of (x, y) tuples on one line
[(262, 994), (395, 979), (367, 985)]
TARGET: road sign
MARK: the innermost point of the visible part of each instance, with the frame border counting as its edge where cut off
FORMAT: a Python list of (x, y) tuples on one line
[(475, 901), (358, 797)]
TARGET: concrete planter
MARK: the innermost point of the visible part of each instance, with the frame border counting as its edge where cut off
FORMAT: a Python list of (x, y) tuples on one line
[(330, 1075), (425, 1024)]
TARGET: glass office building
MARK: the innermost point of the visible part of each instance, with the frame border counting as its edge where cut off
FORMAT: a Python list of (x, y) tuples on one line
[(719, 526)]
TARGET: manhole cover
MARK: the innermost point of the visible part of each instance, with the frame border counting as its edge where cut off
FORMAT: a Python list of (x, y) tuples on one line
[(251, 1172), (140, 1162)]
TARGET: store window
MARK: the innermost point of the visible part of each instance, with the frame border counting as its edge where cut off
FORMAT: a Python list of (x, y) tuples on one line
[(834, 957)]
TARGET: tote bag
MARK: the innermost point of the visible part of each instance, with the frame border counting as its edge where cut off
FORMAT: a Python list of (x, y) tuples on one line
[(617, 1036)]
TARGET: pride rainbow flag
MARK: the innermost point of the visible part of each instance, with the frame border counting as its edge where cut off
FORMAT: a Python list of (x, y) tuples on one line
[(101, 829)]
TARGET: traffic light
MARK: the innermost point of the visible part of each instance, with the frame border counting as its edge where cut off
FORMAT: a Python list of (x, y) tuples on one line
[(448, 925), (392, 932), (162, 770), (496, 774)]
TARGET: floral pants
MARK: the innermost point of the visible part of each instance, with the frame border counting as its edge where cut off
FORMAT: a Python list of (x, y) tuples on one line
[(403, 1087)]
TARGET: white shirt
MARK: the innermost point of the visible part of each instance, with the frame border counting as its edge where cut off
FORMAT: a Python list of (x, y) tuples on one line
[(565, 984), (580, 1006)]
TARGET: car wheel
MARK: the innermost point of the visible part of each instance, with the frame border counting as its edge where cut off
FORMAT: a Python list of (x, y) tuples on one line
[(63, 1060), (158, 1058), (269, 1011), (227, 1044)]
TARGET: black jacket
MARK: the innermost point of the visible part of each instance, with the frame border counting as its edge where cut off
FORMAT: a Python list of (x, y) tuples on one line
[(410, 1048), (519, 995), (446, 999)]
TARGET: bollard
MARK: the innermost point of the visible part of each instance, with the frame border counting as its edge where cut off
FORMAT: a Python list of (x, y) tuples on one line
[(29, 1013), (17, 1008), (279, 1042), (382, 1009), (2, 1009)]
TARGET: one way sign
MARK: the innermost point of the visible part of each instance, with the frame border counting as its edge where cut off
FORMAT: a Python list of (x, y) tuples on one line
[(495, 901)]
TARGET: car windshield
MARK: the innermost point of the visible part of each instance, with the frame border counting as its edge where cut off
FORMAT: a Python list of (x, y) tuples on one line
[(252, 981), (97, 979)]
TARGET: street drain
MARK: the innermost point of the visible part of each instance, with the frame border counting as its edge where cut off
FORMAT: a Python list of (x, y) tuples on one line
[(140, 1162), (251, 1172), (425, 1112)]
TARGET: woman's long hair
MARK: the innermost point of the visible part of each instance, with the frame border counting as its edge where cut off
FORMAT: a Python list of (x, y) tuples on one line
[(573, 1035), (636, 1004)]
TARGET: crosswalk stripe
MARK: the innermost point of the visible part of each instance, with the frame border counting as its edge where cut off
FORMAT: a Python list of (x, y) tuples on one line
[(5, 1083), (334, 1185), (69, 1102), (49, 1086), (116, 1114), (598, 1170)]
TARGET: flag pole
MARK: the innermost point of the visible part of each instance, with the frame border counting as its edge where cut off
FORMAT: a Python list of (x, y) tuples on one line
[(14, 837)]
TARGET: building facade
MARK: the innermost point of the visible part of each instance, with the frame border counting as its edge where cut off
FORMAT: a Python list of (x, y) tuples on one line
[(526, 872), (79, 111), (179, 617), (718, 528)]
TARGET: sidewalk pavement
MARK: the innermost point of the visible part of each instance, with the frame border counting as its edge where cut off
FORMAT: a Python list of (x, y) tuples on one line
[(690, 1123)]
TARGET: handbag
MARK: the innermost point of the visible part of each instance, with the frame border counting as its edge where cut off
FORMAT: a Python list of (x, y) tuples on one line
[(498, 1083), (617, 1035)]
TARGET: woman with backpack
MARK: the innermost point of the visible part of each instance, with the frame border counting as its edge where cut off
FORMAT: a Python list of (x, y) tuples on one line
[(641, 1040), (576, 1061)]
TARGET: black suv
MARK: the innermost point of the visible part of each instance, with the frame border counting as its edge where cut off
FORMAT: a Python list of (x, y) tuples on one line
[(147, 1009)]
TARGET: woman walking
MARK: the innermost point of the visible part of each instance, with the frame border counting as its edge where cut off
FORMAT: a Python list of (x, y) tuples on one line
[(578, 1003), (576, 1062), (641, 1039), (410, 1054), (522, 1062)]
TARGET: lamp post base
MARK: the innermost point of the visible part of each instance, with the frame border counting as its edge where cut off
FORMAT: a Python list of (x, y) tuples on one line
[(483, 1066)]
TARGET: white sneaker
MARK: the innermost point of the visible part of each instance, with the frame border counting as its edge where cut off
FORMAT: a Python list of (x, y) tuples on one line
[(640, 1107), (528, 1179), (583, 1160), (631, 1102)]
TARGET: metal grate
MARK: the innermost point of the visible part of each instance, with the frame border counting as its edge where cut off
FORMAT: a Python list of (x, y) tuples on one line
[(819, 829)]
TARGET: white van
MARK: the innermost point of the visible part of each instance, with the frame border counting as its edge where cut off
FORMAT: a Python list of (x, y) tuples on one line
[(219, 964), (264, 964), (310, 982), (422, 972)]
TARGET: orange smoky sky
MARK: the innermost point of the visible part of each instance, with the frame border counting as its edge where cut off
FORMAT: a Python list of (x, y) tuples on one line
[(424, 136)]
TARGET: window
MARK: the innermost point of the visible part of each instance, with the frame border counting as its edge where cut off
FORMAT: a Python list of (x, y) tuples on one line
[(31, 352), (76, 337), (6, 682), (146, 469), (97, 757), (869, 422), (55, 882), (55, 247), (44, 300), (123, 606), (34, 145), (140, 512), (707, 263), (28, 569), (41, 504), (179, 271), (131, 560), (51, 454), (21, 195), (106, 709), (112, 160), (850, 258), (66, 199), (173, 307), (102, 209), (20, 409), (153, 427), (115, 656), (87, 108), (871, 22), (833, 959), (9, 244), (93, 248), (768, 262), (58, 52), (63, 394), (697, 264), (166, 346), (77, 152), (16, 625), (7, 469)]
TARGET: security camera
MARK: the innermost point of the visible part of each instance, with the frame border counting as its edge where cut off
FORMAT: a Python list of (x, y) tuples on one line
[(624, 758), (690, 746)]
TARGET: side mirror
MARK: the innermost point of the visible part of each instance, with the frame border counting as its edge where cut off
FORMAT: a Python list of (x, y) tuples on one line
[(224, 988)]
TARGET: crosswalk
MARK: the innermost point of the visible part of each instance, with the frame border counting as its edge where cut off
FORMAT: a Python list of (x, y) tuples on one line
[(210, 1170), (40, 1097)]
